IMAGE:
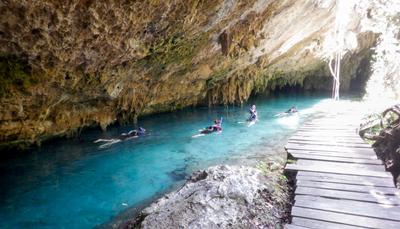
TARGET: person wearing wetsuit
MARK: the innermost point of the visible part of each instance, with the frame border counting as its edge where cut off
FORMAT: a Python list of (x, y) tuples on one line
[(214, 128), (141, 131), (291, 110), (217, 125), (253, 113), (133, 133)]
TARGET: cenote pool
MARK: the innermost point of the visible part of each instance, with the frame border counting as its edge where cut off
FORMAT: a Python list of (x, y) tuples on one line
[(75, 184)]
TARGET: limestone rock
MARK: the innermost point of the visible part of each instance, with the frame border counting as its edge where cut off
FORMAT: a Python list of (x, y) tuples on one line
[(219, 197), (68, 65)]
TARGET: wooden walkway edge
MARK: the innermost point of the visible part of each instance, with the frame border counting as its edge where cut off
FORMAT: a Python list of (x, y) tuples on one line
[(339, 182)]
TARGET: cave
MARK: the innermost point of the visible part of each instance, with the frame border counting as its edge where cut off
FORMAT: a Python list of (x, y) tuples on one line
[(79, 79)]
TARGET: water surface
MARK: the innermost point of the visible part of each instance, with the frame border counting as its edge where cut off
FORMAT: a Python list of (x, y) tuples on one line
[(75, 184)]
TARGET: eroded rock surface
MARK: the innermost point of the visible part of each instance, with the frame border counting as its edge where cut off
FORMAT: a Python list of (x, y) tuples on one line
[(68, 65), (219, 197)]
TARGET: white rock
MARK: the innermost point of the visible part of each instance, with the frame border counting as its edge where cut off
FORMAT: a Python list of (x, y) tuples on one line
[(219, 197)]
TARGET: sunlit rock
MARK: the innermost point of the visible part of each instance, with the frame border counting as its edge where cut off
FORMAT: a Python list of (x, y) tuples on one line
[(219, 197)]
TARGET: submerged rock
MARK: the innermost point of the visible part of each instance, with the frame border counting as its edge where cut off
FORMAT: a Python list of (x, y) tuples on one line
[(219, 197)]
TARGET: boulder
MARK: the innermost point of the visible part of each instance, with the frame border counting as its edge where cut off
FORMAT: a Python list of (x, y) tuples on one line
[(219, 197)]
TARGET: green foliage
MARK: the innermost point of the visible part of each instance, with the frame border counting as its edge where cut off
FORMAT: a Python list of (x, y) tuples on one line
[(176, 49), (371, 125), (14, 73), (278, 182), (389, 119), (217, 76), (264, 168), (290, 161), (272, 168)]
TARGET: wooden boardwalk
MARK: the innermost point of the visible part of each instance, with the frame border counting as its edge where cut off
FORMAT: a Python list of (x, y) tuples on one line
[(340, 183)]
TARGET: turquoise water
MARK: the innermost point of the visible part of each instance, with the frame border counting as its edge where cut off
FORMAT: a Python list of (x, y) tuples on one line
[(75, 184)]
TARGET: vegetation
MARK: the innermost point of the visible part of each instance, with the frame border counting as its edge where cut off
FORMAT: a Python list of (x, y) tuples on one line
[(274, 170), (176, 49), (374, 123), (14, 73), (216, 77)]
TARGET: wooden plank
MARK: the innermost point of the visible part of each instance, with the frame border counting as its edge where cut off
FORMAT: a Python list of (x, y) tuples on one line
[(327, 143), (326, 131), (330, 130), (328, 139), (324, 140), (330, 148), (353, 220), (332, 121), (322, 169), (317, 224), (336, 158), (349, 116), (350, 207), (328, 127), (292, 226), (318, 138), (323, 127), (353, 132), (336, 120), (331, 125), (340, 165), (326, 134), (346, 179), (373, 197), (347, 187), (335, 154)]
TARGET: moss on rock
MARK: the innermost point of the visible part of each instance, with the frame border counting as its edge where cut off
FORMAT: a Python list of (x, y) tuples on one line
[(14, 74)]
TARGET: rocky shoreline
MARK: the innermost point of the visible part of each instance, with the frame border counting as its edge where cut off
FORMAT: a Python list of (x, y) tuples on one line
[(221, 196)]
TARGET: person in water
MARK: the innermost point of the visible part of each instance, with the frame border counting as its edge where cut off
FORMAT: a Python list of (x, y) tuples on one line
[(214, 128), (131, 134), (253, 113), (292, 110), (217, 125)]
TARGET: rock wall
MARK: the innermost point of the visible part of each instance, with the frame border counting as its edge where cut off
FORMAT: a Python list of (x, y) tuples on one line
[(68, 65)]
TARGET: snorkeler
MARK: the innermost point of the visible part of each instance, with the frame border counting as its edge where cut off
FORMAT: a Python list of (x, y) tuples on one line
[(133, 133), (124, 136), (253, 113), (293, 109), (216, 127)]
